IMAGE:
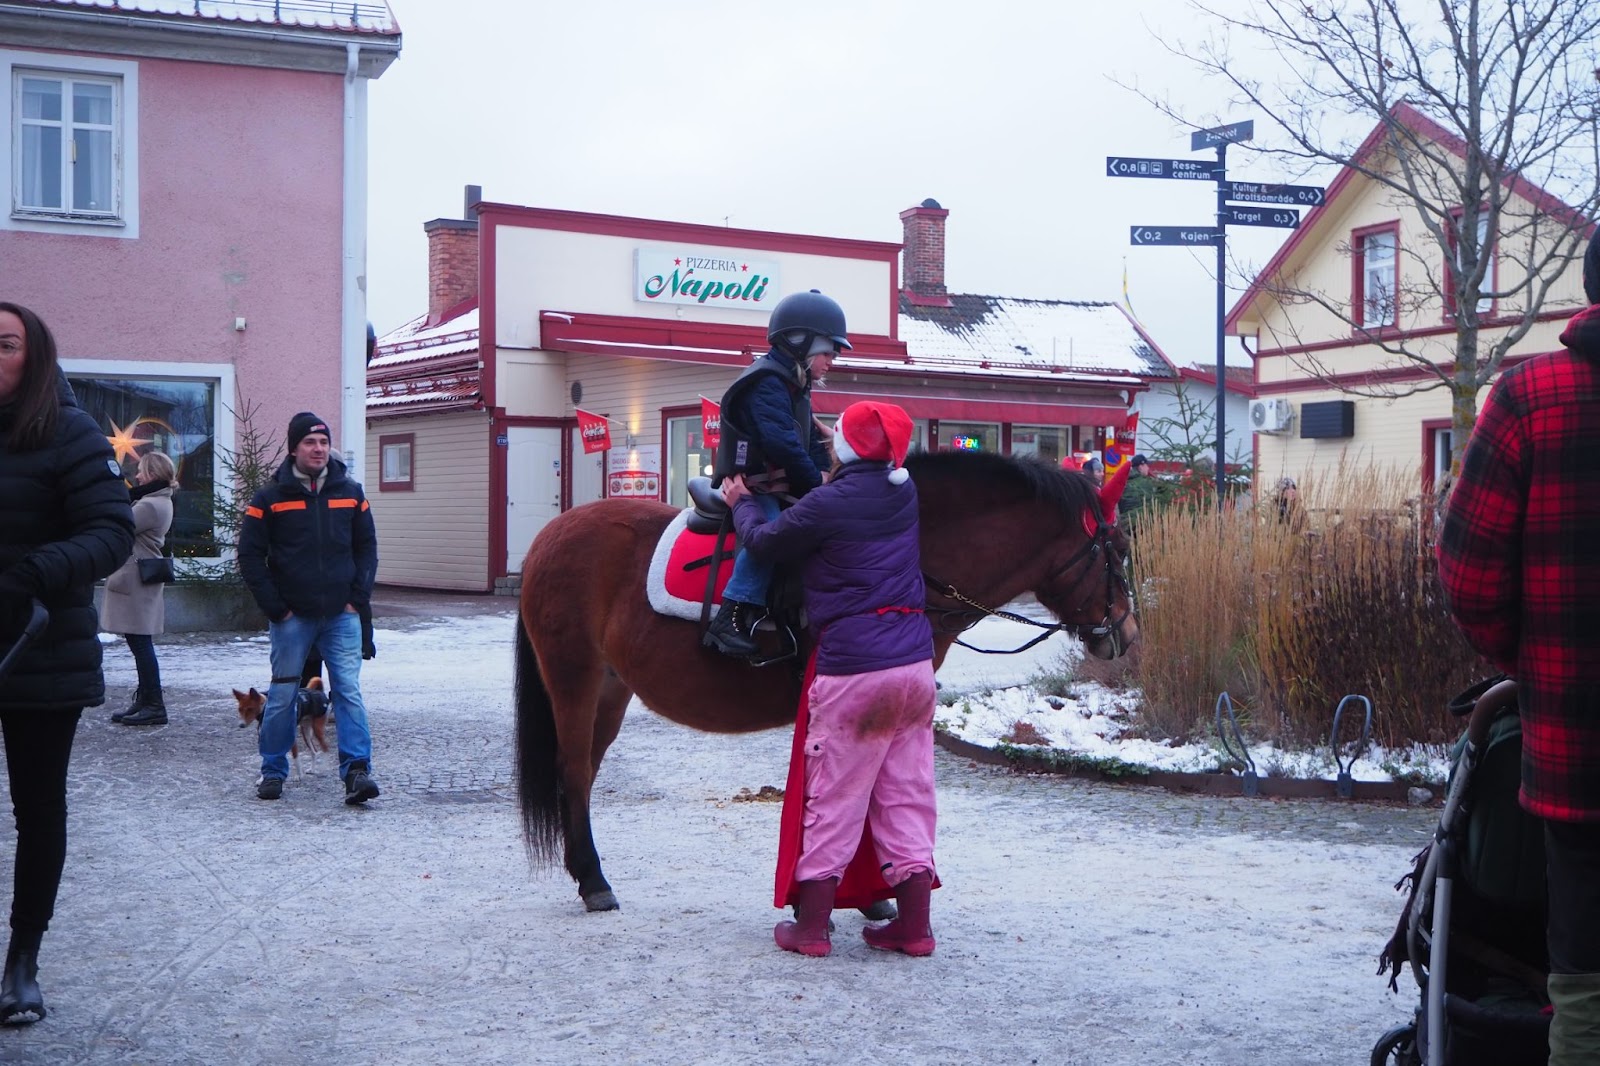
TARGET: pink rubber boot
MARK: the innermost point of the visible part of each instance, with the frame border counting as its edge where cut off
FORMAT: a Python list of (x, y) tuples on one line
[(813, 907), (910, 932)]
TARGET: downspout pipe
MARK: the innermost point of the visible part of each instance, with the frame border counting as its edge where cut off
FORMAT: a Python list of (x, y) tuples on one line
[(353, 282)]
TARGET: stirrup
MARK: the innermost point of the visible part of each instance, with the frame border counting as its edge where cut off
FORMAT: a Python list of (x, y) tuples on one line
[(788, 648)]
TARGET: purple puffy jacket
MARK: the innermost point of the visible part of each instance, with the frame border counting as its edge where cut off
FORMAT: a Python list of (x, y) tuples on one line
[(857, 541)]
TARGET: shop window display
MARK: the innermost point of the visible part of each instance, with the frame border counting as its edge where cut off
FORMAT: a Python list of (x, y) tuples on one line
[(177, 417)]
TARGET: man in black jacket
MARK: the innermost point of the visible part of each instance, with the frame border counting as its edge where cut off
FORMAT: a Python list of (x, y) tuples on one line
[(309, 553)]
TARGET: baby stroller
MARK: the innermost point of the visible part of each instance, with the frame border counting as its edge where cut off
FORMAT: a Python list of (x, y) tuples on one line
[(1473, 929)]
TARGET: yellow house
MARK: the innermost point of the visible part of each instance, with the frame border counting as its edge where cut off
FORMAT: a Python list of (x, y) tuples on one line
[(1346, 317)]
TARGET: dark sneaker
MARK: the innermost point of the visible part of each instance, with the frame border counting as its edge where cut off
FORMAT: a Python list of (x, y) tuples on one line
[(270, 788), (359, 786)]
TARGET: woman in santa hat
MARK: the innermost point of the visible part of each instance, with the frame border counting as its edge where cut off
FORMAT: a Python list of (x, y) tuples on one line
[(864, 736)]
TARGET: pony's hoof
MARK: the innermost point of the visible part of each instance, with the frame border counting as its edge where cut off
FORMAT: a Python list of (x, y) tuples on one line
[(881, 911), (602, 901)]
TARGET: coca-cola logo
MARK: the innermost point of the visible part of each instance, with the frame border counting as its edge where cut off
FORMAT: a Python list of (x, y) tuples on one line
[(714, 424), (594, 431)]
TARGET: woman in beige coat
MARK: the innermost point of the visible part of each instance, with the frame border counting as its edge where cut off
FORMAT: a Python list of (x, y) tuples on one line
[(132, 608)]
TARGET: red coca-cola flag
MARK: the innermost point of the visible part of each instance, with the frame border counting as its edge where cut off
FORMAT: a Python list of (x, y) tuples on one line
[(711, 423), (595, 431)]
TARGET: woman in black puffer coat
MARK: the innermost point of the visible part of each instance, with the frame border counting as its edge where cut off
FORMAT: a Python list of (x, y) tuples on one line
[(65, 522)]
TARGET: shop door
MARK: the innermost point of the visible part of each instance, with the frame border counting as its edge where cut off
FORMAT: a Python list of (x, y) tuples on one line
[(533, 487), (588, 473)]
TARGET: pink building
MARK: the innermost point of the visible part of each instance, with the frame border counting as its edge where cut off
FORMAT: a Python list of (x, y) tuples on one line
[(187, 210)]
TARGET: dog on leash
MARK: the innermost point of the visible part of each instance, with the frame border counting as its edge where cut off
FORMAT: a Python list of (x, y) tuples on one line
[(311, 720)]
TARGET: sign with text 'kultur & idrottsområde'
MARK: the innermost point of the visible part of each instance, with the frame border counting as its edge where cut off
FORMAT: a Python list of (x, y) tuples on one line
[(1293, 195), (1123, 167), (713, 277)]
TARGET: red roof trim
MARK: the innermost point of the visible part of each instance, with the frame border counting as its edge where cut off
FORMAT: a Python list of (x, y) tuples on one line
[(1385, 376), (657, 230), (1209, 377), (1426, 129), (716, 343), (832, 401), (1390, 335)]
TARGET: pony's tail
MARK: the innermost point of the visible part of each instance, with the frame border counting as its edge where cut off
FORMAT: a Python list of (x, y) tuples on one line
[(538, 779)]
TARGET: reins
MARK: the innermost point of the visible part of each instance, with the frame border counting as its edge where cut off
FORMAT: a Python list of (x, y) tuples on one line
[(972, 618)]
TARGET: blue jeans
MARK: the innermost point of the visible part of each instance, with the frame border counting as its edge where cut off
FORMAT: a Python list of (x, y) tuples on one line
[(338, 639), (144, 660), (751, 576)]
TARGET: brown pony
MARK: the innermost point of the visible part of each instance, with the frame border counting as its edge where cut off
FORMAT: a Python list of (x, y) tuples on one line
[(993, 527)]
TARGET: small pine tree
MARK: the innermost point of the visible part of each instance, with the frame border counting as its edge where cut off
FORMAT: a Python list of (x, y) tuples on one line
[(246, 469)]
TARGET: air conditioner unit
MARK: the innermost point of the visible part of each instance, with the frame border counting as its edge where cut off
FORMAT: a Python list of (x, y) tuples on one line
[(1270, 416)]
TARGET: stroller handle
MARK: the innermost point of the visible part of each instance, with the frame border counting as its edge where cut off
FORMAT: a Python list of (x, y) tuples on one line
[(1491, 703)]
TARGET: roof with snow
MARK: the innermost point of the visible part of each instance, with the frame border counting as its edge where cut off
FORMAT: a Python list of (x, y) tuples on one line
[(1005, 336), (351, 16)]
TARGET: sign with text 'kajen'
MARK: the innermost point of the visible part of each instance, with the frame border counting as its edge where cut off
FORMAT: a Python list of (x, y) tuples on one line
[(1293, 195), (1124, 167), (1232, 133), (680, 274), (1196, 236)]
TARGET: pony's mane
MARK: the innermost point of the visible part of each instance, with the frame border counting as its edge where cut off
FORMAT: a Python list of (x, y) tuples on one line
[(985, 475)]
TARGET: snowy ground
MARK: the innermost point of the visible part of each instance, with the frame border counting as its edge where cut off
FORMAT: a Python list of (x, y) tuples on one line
[(1079, 923)]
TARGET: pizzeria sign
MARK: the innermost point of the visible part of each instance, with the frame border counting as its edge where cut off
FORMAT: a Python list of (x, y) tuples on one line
[(681, 275)]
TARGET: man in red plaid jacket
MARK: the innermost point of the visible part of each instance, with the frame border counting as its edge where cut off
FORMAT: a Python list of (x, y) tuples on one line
[(1519, 555)]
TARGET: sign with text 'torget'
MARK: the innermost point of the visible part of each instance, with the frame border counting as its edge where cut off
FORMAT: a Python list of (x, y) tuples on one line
[(1281, 217), (1193, 236), (1293, 195), (1232, 133), (1124, 167)]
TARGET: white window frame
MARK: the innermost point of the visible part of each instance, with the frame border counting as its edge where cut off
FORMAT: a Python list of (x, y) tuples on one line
[(1379, 303), (124, 223), (222, 374)]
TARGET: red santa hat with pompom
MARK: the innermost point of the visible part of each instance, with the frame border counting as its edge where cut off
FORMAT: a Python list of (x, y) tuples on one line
[(874, 431)]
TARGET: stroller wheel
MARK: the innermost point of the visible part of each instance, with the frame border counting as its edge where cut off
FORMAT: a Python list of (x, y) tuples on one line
[(1397, 1047)]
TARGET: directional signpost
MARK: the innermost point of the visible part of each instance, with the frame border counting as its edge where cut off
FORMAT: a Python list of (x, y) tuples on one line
[(1161, 168), (1277, 210), (1190, 235), (1262, 216)]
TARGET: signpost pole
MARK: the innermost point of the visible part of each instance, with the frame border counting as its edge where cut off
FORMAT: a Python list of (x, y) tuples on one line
[(1222, 312)]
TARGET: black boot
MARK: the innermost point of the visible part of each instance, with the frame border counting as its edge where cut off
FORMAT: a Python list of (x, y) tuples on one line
[(731, 631), (152, 712), (21, 1002), (133, 707)]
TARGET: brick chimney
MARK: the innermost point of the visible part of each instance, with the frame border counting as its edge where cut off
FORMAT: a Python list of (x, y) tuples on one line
[(922, 272), (453, 258)]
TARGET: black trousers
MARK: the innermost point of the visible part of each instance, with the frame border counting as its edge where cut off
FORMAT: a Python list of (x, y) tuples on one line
[(38, 747), (1572, 868), (144, 660)]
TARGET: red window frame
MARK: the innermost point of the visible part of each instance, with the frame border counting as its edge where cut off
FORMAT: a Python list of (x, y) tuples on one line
[(410, 441), (1358, 277), (1492, 278), (1430, 455)]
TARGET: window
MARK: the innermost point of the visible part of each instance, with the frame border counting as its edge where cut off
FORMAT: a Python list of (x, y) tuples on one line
[(1437, 441), (969, 436), (394, 460), (66, 145), (1046, 442), (179, 417), (1486, 250), (70, 153), (1376, 276), (689, 456)]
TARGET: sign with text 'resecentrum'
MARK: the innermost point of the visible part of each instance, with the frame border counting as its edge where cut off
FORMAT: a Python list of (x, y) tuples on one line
[(706, 276)]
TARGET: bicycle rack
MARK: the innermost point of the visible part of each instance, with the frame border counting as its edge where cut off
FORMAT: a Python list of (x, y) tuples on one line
[(1346, 786), (1252, 781)]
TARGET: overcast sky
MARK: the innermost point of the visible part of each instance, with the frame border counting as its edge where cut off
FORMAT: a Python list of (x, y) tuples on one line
[(823, 117)]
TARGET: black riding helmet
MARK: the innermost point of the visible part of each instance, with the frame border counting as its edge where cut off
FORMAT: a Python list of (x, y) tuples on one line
[(811, 312)]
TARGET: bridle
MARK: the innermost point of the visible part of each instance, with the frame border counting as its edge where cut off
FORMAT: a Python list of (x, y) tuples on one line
[(1097, 549)]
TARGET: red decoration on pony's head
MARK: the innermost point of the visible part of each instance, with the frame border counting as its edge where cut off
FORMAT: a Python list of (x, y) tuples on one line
[(1110, 495)]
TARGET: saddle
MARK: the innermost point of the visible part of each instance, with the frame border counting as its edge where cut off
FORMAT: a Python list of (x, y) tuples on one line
[(693, 561)]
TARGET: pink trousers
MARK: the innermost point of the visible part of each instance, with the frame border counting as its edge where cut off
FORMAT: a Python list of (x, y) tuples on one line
[(869, 757)]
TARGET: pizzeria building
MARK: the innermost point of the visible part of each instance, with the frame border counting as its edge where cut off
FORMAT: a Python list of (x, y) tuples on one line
[(568, 357)]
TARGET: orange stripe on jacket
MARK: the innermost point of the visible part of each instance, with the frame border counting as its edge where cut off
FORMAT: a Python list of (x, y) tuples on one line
[(340, 503), (254, 512), (289, 505)]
